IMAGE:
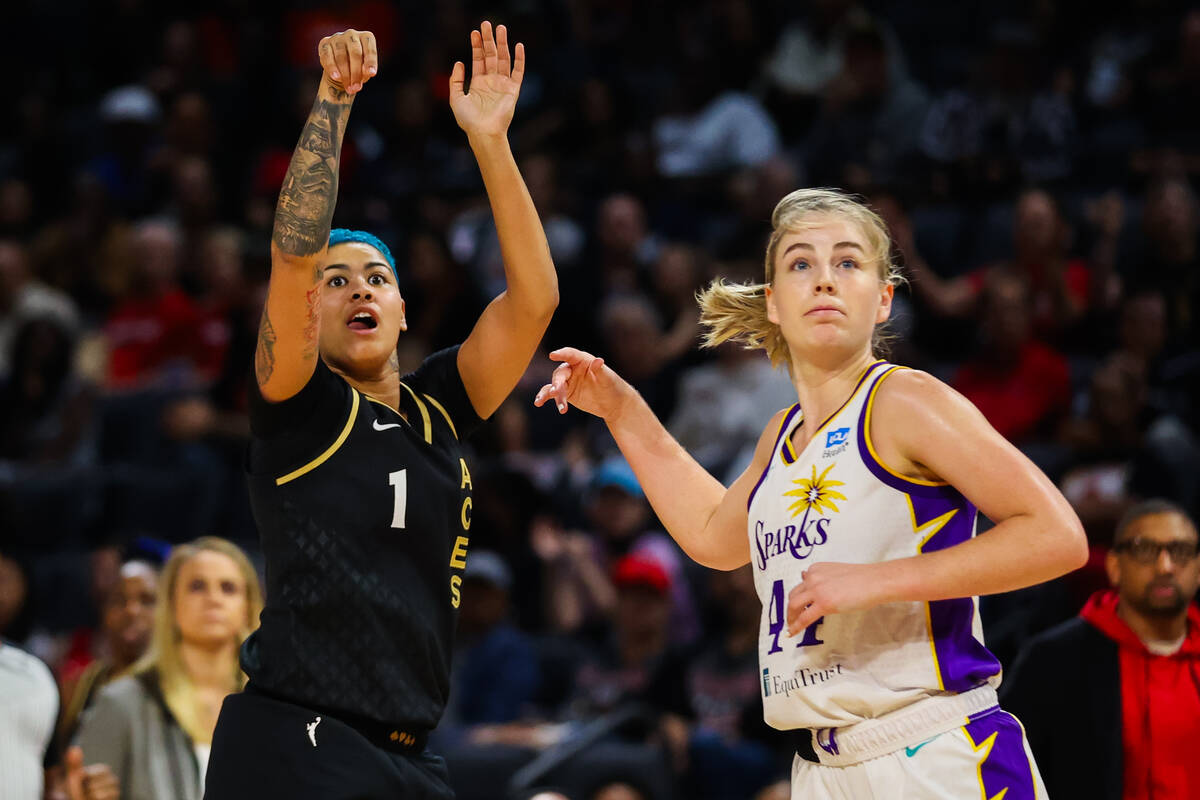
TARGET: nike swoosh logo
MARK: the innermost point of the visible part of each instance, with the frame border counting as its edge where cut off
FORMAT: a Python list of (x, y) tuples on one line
[(912, 751), (375, 424)]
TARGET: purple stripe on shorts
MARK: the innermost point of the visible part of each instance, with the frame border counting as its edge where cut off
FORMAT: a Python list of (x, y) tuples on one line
[(1006, 765)]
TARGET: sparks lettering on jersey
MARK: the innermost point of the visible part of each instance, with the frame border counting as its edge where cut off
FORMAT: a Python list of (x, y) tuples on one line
[(797, 540)]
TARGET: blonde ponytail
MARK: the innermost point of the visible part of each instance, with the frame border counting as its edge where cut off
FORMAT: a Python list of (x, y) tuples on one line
[(738, 312)]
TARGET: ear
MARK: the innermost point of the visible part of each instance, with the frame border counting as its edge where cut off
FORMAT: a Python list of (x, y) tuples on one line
[(886, 294), (772, 312), (403, 317), (1112, 566)]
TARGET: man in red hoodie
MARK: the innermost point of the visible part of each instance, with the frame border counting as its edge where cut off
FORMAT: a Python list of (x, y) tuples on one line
[(1111, 699)]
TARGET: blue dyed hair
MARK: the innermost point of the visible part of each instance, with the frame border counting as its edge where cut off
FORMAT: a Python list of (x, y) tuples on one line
[(342, 235)]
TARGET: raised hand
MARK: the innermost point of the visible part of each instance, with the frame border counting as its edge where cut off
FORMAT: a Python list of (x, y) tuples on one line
[(582, 380), (349, 58), (495, 83)]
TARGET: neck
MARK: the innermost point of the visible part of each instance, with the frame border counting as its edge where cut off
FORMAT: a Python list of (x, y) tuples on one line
[(822, 388), (1154, 629), (383, 384), (210, 666)]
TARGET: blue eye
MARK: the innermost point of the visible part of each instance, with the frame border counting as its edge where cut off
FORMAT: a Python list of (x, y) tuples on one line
[(848, 264), (800, 264)]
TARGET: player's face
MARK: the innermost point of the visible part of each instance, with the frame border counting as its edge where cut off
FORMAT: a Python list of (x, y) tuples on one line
[(1146, 574), (827, 296), (362, 312), (210, 600)]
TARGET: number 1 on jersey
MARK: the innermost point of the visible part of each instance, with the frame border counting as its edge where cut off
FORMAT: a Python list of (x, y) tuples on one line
[(399, 482), (777, 617)]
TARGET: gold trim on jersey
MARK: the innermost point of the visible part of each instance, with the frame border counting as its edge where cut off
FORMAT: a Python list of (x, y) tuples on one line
[(321, 459), (424, 413), (790, 449), (867, 435), (445, 413)]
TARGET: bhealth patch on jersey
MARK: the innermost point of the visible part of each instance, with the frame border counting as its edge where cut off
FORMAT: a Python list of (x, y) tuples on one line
[(834, 438), (836, 442)]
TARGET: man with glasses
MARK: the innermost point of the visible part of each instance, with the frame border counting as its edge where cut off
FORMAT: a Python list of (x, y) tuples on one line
[(1111, 699)]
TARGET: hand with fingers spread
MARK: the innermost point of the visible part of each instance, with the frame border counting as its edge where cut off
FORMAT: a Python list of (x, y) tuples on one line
[(350, 59), (835, 588), (496, 77), (582, 380)]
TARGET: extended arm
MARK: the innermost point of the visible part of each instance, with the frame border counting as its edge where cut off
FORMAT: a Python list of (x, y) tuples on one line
[(286, 354), (706, 519), (498, 350)]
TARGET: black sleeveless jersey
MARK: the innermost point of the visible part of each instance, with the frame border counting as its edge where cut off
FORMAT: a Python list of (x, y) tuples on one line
[(364, 519)]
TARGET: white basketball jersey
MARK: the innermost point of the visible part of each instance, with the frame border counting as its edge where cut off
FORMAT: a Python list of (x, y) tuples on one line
[(836, 502)]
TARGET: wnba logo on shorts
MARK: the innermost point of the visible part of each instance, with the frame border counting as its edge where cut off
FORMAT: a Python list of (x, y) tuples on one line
[(766, 682)]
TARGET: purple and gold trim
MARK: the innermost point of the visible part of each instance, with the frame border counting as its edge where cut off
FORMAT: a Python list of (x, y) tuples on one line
[(783, 425), (871, 458), (788, 453), (961, 660), (1005, 770), (943, 518)]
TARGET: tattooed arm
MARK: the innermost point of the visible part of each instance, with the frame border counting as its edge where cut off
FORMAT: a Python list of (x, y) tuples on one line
[(287, 338)]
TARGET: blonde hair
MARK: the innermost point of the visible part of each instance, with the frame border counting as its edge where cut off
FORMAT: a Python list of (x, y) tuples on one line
[(163, 656), (738, 311)]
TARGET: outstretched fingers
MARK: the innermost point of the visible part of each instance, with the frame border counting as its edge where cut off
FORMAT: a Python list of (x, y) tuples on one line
[(476, 53), (457, 78), (490, 57), (503, 59), (518, 70)]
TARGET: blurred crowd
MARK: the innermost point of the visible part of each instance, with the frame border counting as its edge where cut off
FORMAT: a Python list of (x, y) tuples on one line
[(1037, 163)]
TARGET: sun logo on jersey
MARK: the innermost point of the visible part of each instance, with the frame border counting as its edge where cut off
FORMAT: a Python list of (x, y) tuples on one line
[(815, 493)]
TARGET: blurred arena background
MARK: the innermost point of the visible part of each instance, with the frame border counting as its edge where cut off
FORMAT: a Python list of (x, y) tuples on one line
[(1037, 162)]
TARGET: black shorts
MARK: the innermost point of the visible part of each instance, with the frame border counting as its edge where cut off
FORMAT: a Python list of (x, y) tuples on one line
[(264, 747)]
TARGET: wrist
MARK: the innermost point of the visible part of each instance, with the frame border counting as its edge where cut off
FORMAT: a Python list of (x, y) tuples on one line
[(627, 399), (333, 91), (892, 580), (484, 144)]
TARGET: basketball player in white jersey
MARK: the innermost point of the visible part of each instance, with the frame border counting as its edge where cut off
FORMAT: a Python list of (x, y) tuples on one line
[(858, 514)]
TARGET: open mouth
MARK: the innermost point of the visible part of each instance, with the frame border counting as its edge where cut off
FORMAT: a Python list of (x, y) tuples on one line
[(362, 321)]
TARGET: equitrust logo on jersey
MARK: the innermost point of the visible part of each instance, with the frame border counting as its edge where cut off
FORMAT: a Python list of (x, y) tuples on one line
[(814, 496)]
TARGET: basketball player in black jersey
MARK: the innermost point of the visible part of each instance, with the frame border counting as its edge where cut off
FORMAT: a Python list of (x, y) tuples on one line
[(357, 477)]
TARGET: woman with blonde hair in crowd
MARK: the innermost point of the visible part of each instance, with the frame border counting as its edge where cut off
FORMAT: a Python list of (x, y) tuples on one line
[(858, 514), (147, 735)]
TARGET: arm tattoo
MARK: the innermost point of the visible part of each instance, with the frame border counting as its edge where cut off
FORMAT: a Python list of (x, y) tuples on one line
[(264, 353), (305, 209), (312, 320)]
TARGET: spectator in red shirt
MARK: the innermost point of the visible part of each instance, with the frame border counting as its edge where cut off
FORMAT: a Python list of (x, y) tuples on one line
[(151, 332), (1111, 699), (1021, 385), (1062, 288)]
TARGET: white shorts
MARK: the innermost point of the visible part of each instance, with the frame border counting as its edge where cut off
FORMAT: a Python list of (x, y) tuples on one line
[(981, 759)]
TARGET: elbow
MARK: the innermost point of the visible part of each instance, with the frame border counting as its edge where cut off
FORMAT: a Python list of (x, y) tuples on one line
[(1074, 545), (543, 307)]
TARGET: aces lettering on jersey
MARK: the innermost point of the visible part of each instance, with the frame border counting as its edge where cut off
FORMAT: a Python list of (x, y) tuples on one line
[(458, 555)]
